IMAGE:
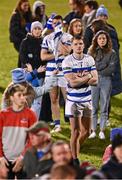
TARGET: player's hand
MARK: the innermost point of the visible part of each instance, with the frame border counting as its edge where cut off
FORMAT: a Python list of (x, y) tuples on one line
[(85, 73), (3, 162), (18, 164)]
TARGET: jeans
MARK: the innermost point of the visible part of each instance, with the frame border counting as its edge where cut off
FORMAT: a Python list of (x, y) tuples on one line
[(36, 106), (101, 93)]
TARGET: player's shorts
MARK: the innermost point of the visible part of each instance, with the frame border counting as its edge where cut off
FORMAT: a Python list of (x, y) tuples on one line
[(60, 81), (73, 109)]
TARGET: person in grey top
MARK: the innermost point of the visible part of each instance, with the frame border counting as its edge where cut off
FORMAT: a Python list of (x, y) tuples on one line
[(105, 61)]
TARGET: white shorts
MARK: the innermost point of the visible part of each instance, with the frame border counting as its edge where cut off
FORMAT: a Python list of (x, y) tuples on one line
[(60, 81), (73, 109)]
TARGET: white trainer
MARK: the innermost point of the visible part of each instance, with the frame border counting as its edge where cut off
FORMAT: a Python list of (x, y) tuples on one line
[(52, 123), (92, 135), (101, 135), (56, 129)]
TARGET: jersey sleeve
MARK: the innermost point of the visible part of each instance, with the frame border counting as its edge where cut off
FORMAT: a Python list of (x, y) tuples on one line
[(66, 65), (91, 63)]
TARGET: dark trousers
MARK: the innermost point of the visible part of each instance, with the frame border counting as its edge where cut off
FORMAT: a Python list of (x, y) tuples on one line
[(12, 175), (46, 113)]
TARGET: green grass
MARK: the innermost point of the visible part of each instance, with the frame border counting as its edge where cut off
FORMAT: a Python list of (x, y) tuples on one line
[(91, 150)]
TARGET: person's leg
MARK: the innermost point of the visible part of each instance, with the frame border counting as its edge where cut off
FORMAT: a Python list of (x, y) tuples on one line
[(84, 125), (74, 136), (36, 106), (84, 122), (95, 105), (104, 101), (46, 113), (95, 92), (63, 90), (70, 108), (54, 96)]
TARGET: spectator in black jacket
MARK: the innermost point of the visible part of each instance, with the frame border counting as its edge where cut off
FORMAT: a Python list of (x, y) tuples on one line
[(77, 11), (113, 168), (19, 22), (31, 46), (38, 12), (30, 53), (38, 157)]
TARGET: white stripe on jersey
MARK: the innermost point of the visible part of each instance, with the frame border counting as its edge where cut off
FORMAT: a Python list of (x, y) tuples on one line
[(72, 65)]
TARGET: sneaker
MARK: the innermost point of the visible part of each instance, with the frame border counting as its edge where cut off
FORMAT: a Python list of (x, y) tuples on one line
[(92, 135), (101, 135), (52, 124), (56, 129)]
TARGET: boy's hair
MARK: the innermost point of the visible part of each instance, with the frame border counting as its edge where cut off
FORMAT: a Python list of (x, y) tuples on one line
[(59, 143), (77, 37), (58, 17), (15, 88), (117, 141), (61, 171), (92, 4)]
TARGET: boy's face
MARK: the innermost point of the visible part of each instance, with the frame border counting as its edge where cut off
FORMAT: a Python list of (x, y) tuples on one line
[(62, 154), (18, 99), (55, 22), (118, 153), (78, 46)]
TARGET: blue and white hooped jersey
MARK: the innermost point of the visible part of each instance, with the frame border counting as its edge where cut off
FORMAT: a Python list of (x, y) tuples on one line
[(72, 65), (50, 45)]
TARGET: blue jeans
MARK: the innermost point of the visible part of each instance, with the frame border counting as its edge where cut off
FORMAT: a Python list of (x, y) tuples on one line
[(101, 93), (36, 106)]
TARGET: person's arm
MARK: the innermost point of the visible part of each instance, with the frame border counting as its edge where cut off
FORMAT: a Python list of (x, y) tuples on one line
[(75, 80), (46, 55), (3, 161), (110, 69), (94, 79), (23, 53), (47, 86)]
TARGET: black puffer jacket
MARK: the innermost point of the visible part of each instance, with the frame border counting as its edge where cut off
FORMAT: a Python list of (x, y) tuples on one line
[(112, 169), (17, 27), (30, 52)]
